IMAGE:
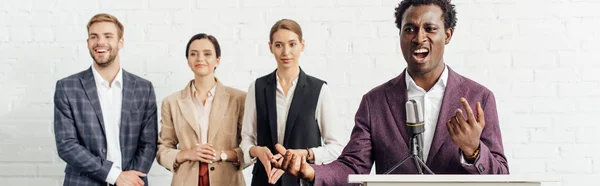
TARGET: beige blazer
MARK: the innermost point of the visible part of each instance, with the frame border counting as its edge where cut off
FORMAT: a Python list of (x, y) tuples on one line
[(180, 131)]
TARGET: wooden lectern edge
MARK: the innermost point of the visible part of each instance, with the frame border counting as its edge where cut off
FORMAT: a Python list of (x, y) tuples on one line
[(361, 178)]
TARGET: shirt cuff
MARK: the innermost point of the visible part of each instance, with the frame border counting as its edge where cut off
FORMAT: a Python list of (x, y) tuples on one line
[(463, 160), (113, 174), (247, 158)]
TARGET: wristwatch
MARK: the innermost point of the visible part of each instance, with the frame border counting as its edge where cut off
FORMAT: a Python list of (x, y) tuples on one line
[(223, 155)]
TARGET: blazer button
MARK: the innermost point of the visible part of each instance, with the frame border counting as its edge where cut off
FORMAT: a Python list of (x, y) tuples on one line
[(212, 168), (103, 150)]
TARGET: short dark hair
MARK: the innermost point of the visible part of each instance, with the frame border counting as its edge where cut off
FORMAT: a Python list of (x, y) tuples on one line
[(448, 11), (199, 36)]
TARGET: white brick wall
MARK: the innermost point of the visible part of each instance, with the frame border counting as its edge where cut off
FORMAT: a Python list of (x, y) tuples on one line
[(538, 56)]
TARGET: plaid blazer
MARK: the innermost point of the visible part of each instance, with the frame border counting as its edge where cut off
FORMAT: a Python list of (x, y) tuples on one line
[(79, 128)]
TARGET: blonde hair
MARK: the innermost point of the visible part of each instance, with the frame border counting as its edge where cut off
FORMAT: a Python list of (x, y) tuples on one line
[(287, 24), (104, 17)]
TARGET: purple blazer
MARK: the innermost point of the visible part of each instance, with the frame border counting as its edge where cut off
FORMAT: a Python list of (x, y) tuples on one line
[(380, 134)]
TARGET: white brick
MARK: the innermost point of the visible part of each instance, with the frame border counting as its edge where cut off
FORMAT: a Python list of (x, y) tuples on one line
[(41, 19), (547, 106), (4, 34), (588, 135), (578, 59), (517, 136), (590, 74), (488, 60), (536, 60), (537, 151), (148, 18), (262, 3), (568, 74), (376, 14), (277, 14), (353, 30), (21, 34), (29, 153), (579, 89), (577, 151), (530, 120), (17, 170), (51, 169), (72, 34), (534, 90), (357, 3), (169, 5), (571, 166), (30, 181), (43, 34), (122, 5), (70, 5), (579, 179), (43, 6), (367, 46), (242, 15), (477, 12), (313, 31), (466, 43), (209, 4), (187, 17), (63, 18), (312, 3), (527, 165), (334, 14), (21, 5), (487, 28), (514, 75), (549, 135), (535, 43)]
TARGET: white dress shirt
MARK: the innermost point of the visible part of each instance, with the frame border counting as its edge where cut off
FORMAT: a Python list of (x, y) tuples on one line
[(431, 102), (335, 135), (203, 111), (110, 97)]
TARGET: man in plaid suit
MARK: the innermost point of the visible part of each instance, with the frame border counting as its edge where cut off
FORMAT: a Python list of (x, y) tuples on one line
[(104, 117)]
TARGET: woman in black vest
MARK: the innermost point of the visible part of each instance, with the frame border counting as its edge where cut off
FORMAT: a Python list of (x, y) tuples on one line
[(291, 108)]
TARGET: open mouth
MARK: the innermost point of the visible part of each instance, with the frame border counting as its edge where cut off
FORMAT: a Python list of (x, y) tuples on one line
[(101, 51), (421, 53)]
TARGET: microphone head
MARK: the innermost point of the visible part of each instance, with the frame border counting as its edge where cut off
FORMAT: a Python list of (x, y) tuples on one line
[(414, 117)]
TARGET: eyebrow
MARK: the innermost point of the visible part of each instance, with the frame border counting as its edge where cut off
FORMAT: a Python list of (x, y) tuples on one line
[(426, 24), (205, 50), (293, 40)]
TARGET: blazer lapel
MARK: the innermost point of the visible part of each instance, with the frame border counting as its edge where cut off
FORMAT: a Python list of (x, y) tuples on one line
[(217, 111), (450, 102), (297, 105), (129, 84), (188, 109), (89, 85), (396, 97), (272, 105)]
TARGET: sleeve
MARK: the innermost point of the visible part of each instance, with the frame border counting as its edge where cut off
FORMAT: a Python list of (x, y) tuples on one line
[(67, 141), (491, 159), (249, 126), (335, 134), (357, 156)]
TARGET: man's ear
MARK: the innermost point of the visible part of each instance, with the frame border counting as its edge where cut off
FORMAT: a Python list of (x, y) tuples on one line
[(449, 33), (121, 43)]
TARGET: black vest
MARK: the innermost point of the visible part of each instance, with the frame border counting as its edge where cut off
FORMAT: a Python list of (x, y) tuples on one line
[(301, 128)]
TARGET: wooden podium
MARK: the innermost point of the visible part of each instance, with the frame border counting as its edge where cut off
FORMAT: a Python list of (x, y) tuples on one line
[(452, 180)]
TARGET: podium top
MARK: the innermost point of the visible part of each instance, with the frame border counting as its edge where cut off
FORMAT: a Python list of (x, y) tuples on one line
[(411, 178)]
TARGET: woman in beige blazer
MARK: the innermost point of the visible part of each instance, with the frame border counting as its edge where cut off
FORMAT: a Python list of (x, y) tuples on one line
[(200, 127)]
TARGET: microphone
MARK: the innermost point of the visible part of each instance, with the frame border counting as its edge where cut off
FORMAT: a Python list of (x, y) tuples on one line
[(415, 123), (416, 126)]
